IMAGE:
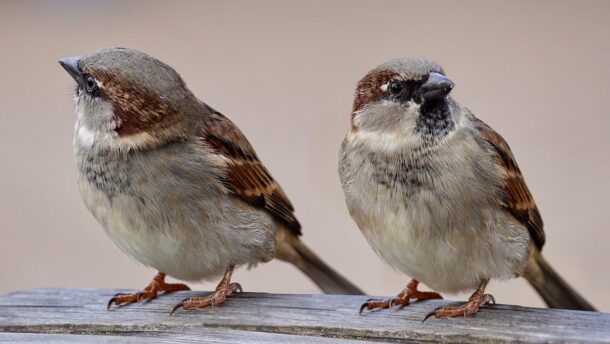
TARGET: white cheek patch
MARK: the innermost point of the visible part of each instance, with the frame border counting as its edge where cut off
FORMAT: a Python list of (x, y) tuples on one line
[(385, 142), (399, 137), (94, 123), (84, 136)]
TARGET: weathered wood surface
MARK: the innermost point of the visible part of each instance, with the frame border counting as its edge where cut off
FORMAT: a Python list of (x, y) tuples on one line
[(80, 315)]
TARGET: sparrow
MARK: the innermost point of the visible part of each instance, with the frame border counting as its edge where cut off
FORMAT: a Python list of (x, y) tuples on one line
[(438, 194), (175, 184)]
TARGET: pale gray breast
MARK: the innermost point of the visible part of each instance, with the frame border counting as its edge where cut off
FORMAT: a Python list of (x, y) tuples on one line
[(104, 169), (166, 179), (455, 172)]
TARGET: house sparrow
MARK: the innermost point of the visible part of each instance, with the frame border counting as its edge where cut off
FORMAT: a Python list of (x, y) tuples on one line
[(174, 183), (438, 194)]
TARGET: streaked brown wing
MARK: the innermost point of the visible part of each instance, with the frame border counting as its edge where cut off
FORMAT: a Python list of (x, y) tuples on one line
[(246, 176), (517, 198)]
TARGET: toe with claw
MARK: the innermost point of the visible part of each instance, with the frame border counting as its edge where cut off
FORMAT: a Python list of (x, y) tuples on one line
[(373, 304), (475, 302), (225, 288), (402, 299), (150, 292)]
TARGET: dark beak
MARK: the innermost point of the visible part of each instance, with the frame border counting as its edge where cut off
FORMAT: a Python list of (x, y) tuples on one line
[(70, 64), (437, 87)]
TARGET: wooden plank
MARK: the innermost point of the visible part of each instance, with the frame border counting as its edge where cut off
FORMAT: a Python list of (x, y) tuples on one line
[(201, 335), (311, 317)]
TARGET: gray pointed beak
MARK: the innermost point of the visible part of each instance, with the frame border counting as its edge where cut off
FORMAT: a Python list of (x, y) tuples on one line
[(70, 64), (436, 87)]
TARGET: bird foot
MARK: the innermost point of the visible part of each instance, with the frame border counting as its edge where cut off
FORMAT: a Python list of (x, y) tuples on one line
[(476, 301), (402, 299), (216, 298), (148, 293)]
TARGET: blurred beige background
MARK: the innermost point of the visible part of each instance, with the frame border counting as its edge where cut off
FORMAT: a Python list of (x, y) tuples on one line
[(538, 72)]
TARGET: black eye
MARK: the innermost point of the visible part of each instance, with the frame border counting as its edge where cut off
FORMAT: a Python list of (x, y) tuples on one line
[(90, 83), (395, 87)]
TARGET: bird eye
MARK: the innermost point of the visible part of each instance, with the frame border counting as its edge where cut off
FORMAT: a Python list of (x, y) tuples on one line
[(90, 83), (395, 87)]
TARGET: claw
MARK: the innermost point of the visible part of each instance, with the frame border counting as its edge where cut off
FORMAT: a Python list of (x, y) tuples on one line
[(432, 313), (114, 300), (176, 307), (371, 304), (488, 298), (428, 315), (237, 287), (364, 305), (110, 302)]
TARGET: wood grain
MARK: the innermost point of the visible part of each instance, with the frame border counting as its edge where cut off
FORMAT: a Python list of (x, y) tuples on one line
[(79, 315)]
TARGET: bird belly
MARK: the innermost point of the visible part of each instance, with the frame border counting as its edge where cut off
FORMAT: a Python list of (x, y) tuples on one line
[(449, 240), (187, 246)]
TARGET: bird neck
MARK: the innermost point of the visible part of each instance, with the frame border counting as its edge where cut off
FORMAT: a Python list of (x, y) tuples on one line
[(435, 121)]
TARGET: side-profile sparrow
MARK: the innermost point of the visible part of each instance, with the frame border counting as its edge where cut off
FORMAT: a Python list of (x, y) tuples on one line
[(438, 194), (174, 183)]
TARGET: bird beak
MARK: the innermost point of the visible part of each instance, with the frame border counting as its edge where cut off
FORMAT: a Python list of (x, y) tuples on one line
[(70, 64), (437, 87)]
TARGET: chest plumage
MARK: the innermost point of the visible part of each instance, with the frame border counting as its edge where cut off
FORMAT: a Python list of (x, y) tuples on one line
[(167, 209), (430, 211)]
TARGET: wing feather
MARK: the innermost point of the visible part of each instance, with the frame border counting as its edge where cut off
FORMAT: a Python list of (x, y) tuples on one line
[(516, 197), (246, 176)]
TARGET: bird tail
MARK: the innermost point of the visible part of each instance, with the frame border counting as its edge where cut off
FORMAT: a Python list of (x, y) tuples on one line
[(553, 289), (291, 249)]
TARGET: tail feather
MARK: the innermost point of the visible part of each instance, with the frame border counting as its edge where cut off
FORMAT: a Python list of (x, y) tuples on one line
[(293, 250), (553, 289)]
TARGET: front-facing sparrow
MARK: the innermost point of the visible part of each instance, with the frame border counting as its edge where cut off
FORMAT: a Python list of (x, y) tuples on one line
[(438, 194)]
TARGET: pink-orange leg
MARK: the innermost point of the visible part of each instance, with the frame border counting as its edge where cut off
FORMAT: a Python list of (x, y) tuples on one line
[(224, 289), (402, 299), (477, 300), (149, 292)]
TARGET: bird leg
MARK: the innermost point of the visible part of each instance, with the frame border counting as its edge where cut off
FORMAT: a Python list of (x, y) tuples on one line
[(149, 292), (477, 299), (224, 289), (402, 299)]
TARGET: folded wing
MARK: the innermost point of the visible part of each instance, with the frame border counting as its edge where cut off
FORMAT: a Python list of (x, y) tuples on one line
[(516, 197), (246, 176)]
